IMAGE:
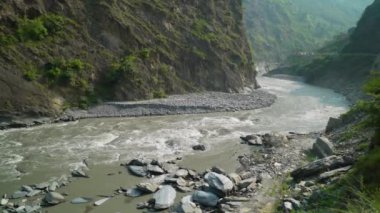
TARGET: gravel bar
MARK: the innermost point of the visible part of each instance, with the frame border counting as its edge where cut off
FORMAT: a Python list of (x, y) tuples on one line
[(195, 103)]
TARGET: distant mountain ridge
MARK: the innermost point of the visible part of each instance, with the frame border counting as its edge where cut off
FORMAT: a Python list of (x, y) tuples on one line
[(279, 28)]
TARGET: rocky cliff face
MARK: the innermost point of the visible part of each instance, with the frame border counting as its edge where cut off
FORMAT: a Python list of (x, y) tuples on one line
[(62, 53)]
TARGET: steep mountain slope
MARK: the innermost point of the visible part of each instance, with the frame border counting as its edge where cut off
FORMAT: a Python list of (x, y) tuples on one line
[(57, 54), (279, 28), (350, 68)]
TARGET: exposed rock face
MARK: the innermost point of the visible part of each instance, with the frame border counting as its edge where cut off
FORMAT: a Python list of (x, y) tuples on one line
[(323, 147), (157, 47), (322, 165)]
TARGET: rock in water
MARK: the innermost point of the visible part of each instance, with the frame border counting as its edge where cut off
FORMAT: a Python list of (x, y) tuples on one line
[(80, 200), (164, 198), (274, 139), (155, 169), (53, 186), (199, 147), (147, 187), (19, 194), (53, 198), (136, 162), (79, 173), (323, 147), (4, 202), (134, 192), (101, 201), (26, 188), (33, 193), (139, 171), (219, 182), (42, 186), (205, 198)]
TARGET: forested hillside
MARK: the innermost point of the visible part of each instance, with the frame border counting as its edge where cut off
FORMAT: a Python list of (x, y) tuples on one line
[(280, 28), (59, 54)]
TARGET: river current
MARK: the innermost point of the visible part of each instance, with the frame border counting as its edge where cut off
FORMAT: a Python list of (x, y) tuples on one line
[(40, 153)]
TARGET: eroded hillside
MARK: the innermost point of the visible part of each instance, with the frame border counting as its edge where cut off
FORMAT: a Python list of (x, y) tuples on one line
[(58, 54)]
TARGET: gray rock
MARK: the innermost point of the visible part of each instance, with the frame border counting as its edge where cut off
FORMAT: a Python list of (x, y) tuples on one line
[(184, 189), (79, 173), (247, 182), (245, 175), (164, 198), (333, 173), (147, 187), (80, 200), (134, 192), (137, 162), (155, 169), (235, 199), (219, 182), (218, 170), (199, 147), (332, 124), (188, 206), (33, 193), (101, 201), (181, 182), (170, 180), (296, 203), (320, 166), (323, 147), (235, 178), (274, 139), (42, 186), (32, 209), (288, 207), (4, 202), (205, 198), (53, 186), (182, 173), (26, 188), (53, 198), (143, 205), (63, 181), (18, 194), (255, 141), (139, 171)]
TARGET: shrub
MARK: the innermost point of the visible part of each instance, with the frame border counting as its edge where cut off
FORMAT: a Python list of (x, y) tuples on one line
[(31, 74), (125, 68), (31, 29), (53, 23), (160, 93)]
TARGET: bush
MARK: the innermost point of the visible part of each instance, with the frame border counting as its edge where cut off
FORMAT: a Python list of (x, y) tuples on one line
[(53, 23), (31, 74), (125, 68), (67, 73), (31, 30), (159, 94)]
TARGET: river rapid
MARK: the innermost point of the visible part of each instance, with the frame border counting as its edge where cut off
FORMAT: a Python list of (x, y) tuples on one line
[(37, 154)]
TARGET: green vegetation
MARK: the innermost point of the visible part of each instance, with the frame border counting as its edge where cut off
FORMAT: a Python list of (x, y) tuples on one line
[(124, 69), (202, 30), (39, 28)]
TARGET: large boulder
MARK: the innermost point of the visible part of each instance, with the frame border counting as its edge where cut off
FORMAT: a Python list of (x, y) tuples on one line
[(219, 182), (333, 124), (323, 147), (155, 169), (53, 198), (321, 165), (205, 198), (164, 198), (274, 139)]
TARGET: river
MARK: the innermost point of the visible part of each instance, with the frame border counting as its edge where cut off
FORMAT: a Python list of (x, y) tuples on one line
[(37, 154)]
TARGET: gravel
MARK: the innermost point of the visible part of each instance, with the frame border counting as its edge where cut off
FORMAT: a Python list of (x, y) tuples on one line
[(195, 103)]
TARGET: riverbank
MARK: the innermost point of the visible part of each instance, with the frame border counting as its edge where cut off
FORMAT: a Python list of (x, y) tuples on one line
[(196, 103)]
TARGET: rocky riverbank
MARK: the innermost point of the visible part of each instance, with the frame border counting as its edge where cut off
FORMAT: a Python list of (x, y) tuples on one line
[(195, 103), (167, 185)]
